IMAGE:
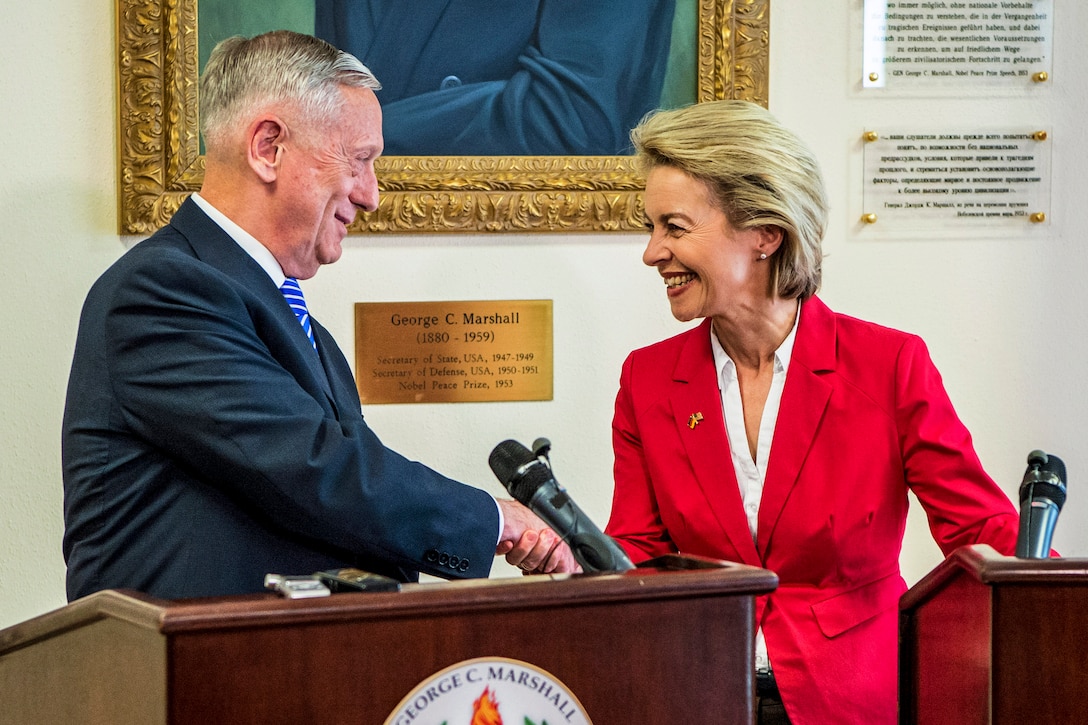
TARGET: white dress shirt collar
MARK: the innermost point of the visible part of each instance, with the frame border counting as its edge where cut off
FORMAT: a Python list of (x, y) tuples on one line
[(244, 239)]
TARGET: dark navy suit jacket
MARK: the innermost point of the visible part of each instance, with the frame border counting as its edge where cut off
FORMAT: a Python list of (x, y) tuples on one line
[(206, 444), (479, 77)]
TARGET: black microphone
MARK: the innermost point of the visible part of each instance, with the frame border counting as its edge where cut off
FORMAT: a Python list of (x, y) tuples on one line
[(528, 477), (1042, 494)]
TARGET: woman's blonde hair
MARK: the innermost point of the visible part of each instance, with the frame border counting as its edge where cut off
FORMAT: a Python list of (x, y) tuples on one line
[(760, 173)]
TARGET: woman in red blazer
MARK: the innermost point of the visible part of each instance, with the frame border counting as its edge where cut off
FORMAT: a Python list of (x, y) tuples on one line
[(779, 433)]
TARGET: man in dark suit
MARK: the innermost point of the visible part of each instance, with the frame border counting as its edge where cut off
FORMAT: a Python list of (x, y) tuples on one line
[(207, 439)]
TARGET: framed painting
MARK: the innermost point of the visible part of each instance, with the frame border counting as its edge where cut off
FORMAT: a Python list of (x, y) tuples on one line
[(722, 47)]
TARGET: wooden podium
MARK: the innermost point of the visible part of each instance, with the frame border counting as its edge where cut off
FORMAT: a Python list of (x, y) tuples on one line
[(986, 638), (672, 643)]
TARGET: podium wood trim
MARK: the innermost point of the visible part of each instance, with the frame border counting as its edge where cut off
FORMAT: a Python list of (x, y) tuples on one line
[(673, 642)]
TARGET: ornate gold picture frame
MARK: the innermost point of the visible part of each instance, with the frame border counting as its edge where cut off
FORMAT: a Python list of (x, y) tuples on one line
[(161, 162)]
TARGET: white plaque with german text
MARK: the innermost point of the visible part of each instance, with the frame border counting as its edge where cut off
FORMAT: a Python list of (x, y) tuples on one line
[(949, 46)]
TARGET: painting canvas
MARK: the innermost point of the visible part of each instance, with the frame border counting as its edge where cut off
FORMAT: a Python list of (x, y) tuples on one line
[(524, 132)]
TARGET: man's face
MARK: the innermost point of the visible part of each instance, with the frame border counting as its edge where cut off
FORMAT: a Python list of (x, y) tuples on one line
[(326, 176)]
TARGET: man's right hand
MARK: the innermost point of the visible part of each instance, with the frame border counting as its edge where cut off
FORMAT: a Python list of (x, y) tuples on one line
[(530, 545)]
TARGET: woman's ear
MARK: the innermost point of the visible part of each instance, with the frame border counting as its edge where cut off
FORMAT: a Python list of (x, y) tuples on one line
[(770, 239)]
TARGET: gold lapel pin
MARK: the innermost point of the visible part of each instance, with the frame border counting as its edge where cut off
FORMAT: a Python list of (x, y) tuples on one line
[(693, 420)]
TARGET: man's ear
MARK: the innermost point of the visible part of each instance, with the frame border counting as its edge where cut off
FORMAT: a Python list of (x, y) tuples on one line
[(265, 149)]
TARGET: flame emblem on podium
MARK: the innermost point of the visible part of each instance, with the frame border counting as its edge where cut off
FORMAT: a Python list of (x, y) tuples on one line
[(486, 709)]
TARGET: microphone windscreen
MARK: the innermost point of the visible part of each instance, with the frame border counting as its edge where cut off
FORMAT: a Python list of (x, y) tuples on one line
[(1055, 466), (1055, 480), (507, 458), (1045, 477)]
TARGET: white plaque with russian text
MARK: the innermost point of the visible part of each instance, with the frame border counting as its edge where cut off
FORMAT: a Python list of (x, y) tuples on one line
[(993, 178)]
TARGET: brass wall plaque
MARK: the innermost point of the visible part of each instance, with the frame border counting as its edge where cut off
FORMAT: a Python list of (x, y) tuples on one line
[(453, 352)]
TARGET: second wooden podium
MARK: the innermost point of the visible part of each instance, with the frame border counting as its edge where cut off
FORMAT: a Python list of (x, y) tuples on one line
[(993, 639)]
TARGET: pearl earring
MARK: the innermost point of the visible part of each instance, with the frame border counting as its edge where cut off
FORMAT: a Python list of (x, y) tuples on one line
[(763, 256)]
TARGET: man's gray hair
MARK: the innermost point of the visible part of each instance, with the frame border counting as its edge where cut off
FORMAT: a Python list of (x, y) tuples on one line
[(281, 67)]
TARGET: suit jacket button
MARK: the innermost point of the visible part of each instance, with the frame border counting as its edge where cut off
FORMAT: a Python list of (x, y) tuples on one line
[(449, 82), (463, 566), (430, 556)]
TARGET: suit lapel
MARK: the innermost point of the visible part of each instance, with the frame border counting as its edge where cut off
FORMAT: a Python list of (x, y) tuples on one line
[(706, 442), (804, 401), (317, 365), (214, 246), (304, 348), (334, 383)]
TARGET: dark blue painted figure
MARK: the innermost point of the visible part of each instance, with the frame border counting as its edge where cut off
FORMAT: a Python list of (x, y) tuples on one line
[(532, 77)]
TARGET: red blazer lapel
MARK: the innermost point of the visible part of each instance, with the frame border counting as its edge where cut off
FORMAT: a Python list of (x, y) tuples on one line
[(697, 413), (804, 400)]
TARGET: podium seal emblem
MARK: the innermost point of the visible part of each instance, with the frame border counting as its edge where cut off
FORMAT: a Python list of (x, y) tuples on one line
[(490, 691)]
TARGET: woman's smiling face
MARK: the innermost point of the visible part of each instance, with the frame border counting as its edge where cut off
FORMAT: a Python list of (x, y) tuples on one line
[(707, 264)]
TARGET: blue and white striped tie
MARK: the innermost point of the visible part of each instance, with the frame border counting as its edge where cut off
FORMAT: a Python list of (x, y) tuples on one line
[(293, 294)]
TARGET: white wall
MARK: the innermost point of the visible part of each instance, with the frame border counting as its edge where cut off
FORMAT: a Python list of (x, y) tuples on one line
[(58, 231), (1004, 317)]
